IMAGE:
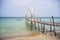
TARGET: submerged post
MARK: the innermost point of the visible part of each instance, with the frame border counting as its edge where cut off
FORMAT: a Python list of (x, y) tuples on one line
[(54, 26)]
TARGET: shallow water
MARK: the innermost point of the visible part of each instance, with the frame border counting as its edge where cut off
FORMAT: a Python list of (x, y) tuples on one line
[(14, 27)]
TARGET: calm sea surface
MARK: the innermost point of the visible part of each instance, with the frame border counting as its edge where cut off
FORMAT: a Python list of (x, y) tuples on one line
[(14, 27)]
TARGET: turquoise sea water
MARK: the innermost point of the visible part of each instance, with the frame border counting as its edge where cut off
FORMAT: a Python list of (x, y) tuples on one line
[(14, 27)]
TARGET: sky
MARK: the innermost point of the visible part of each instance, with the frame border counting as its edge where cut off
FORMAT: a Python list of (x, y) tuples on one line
[(41, 8)]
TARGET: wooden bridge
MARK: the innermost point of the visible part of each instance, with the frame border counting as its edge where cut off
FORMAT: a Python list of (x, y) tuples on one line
[(31, 22)]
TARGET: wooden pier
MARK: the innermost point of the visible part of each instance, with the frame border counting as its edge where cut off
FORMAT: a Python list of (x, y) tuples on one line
[(41, 25)]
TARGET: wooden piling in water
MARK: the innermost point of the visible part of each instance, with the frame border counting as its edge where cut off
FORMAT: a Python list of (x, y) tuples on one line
[(41, 25), (31, 22), (38, 27), (54, 26), (50, 27), (31, 25), (35, 24), (43, 28)]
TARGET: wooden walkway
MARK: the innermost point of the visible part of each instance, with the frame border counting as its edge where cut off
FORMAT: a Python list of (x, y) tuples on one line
[(51, 23)]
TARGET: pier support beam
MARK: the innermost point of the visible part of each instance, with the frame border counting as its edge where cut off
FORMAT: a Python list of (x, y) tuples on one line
[(43, 28), (35, 25), (31, 21), (50, 27), (38, 25), (31, 25), (54, 26)]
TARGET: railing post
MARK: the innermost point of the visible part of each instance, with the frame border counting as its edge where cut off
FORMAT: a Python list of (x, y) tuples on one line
[(54, 26)]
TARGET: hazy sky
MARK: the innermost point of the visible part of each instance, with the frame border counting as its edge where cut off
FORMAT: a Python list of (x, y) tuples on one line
[(42, 8)]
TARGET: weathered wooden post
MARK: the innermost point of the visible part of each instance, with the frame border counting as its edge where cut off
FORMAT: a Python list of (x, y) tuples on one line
[(31, 22), (31, 25), (35, 23), (50, 27), (38, 25), (54, 26), (41, 24), (43, 28)]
